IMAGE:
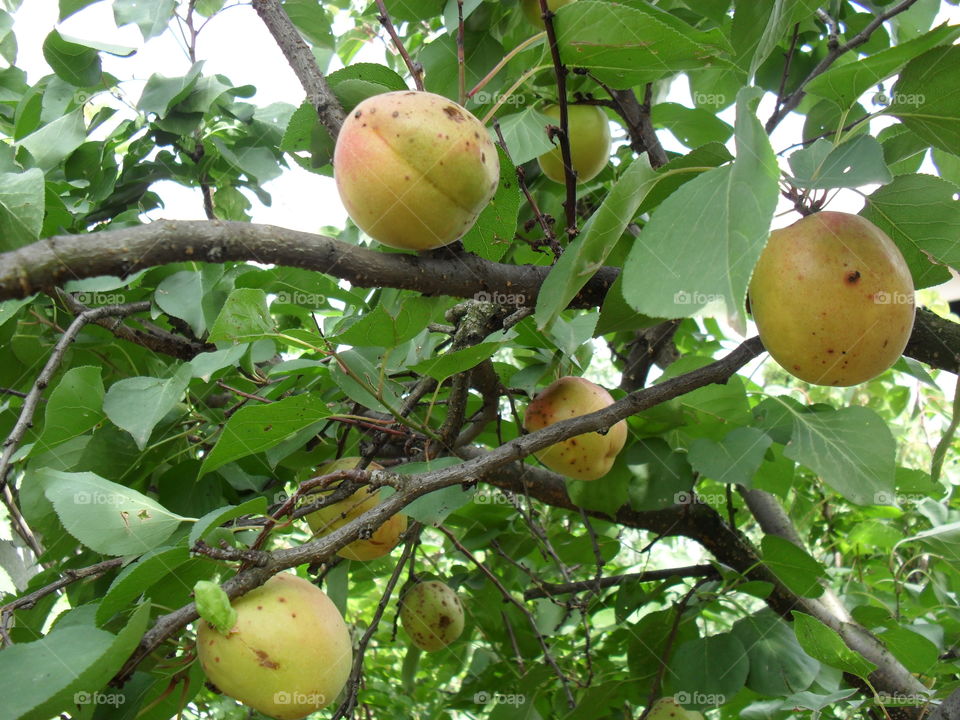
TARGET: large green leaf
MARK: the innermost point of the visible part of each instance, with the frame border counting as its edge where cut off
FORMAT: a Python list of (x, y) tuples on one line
[(793, 566), (73, 408), (256, 428), (43, 678), (708, 671), (851, 449), (21, 208), (151, 17), (53, 143), (925, 97), (851, 164), (585, 255), (106, 517), (734, 459), (626, 46), (77, 64), (922, 216), (701, 244), (778, 665), (825, 645), (138, 404)]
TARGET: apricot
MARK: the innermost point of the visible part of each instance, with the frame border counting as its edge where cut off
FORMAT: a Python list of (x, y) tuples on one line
[(531, 8), (832, 298), (414, 169), (325, 520), (288, 654), (670, 709), (589, 132), (432, 615), (583, 457)]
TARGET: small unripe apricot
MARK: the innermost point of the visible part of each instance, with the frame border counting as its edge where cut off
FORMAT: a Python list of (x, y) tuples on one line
[(432, 615), (414, 169), (288, 654), (670, 709), (589, 132), (832, 297), (327, 519), (583, 457)]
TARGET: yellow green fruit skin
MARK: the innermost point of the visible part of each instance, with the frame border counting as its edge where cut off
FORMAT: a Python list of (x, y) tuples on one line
[(531, 8), (589, 143), (288, 654), (832, 298), (670, 709), (432, 615), (325, 520), (414, 169), (583, 457)]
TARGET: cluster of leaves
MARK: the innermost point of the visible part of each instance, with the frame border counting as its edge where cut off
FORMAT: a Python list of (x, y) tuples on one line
[(136, 455)]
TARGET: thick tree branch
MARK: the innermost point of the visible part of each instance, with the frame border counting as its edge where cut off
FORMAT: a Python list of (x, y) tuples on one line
[(53, 261), (303, 62)]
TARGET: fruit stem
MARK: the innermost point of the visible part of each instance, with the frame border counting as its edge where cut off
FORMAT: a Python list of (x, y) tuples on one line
[(506, 58)]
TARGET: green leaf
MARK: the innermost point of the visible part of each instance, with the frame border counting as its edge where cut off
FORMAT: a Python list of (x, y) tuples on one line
[(21, 208), (361, 381), (851, 449), (626, 46), (106, 517), (77, 64), (735, 459), (244, 317), (215, 518), (370, 73), (73, 408), (921, 216), (151, 17), (524, 135), (702, 242), (795, 568), (440, 367), (138, 404), (585, 255), (388, 327), (51, 144), (784, 14), (692, 127), (844, 84), (825, 645), (662, 477), (916, 652), (43, 678), (492, 235), (851, 164), (214, 606), (925, 97), (69, 7), (162, 93), (778, 665), (695, 669), (255, 428), (137, 577)]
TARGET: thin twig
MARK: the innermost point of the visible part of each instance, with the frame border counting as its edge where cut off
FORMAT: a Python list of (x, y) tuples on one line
[(416, 71), (596, 585)]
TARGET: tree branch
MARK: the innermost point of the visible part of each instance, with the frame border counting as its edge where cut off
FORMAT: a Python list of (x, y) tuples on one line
[(794, 98), (549, 589), (304, 64)]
